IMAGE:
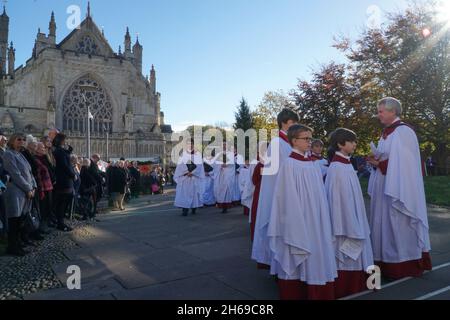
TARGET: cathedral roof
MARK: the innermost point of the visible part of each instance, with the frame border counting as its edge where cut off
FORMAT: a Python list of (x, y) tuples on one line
[(87, 28)]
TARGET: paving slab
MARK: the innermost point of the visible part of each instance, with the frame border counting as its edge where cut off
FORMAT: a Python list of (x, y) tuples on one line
[(197, 288), (99, 290)]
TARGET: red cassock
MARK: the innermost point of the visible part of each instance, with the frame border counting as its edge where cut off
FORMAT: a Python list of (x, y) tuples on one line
[(256, 179), (298, 290), (414, 268)]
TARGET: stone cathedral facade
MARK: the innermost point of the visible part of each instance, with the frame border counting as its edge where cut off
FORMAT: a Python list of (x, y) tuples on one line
[(49, 91)]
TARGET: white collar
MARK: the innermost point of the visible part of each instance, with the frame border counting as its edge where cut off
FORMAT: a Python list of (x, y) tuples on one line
[(340, 154), (396, 119), (300, 153)]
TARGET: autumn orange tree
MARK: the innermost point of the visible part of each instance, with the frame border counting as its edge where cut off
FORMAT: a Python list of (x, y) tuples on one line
[(331, 100), (409, 59)]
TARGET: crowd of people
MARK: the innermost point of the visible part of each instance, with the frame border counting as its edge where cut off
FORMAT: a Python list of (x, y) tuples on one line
[(43, 183), (309, 224)]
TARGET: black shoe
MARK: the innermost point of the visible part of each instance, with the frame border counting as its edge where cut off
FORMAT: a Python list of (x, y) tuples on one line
[(194, 211), (185, 212), (65, 228), (224, 211)]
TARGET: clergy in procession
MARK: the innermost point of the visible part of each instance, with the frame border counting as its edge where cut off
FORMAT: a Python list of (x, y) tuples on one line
[(299, 230), (246, 187), (209, 200), (348, 216), (398, 212), (317, 155), (239, 163), (256, 180), (224, 178), (189, 175), (278, 151)]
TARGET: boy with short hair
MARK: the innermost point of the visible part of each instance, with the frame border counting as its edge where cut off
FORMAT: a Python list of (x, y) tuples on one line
[(261, 250), (299, 231), (348, 214), (317, 155)]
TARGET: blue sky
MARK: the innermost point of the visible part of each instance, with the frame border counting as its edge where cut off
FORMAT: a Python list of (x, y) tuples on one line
[(210, 53)]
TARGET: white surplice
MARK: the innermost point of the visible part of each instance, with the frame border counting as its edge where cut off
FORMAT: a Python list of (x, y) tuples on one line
[(299, 230), (261, 252), (398, 216), (208, 186), (224, 178), (246, 186), (348, 216), (189, 191), (239, 160)]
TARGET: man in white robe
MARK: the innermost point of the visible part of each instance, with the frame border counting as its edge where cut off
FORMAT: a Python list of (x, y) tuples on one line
[(224, 179), (299, 230), (278, 151), (351, 229), (189, 176), (398, 216)]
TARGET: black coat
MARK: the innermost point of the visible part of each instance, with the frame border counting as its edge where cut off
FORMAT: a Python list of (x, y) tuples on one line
[(88, 182), (97, 175), (31, 160), (117, 180), (64, 171), (3, 173), (135, 176)]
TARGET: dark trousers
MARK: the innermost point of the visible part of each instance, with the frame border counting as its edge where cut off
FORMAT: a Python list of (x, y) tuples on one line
[(45, 209), (94, 200), (3, 218), (52, 215), (14, 233), (135, 190), (62, 202)]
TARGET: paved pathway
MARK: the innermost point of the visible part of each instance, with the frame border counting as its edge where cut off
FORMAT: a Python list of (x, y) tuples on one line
[(152, 252)]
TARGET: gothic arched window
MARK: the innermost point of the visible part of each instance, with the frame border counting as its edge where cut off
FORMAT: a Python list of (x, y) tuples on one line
[(87, 46), (75, 109)]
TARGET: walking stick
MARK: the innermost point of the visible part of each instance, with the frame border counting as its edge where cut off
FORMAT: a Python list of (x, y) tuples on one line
[(72, 208)]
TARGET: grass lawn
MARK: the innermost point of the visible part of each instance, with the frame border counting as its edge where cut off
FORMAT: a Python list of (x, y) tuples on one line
[(437, 190)]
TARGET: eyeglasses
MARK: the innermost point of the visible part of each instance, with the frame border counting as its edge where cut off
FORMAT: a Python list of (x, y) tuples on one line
[(305, 139), (21, 139)]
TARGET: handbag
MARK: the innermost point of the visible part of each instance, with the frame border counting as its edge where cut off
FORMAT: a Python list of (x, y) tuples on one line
[(32, 217), (155, 188)]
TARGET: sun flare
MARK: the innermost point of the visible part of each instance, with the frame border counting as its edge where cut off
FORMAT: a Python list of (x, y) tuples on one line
[(444, 10)]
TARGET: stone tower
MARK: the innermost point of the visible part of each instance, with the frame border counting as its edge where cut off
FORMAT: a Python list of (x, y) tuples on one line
[(137, 52), (4, 31), (11, 59), (52, 29), (153, 80)]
